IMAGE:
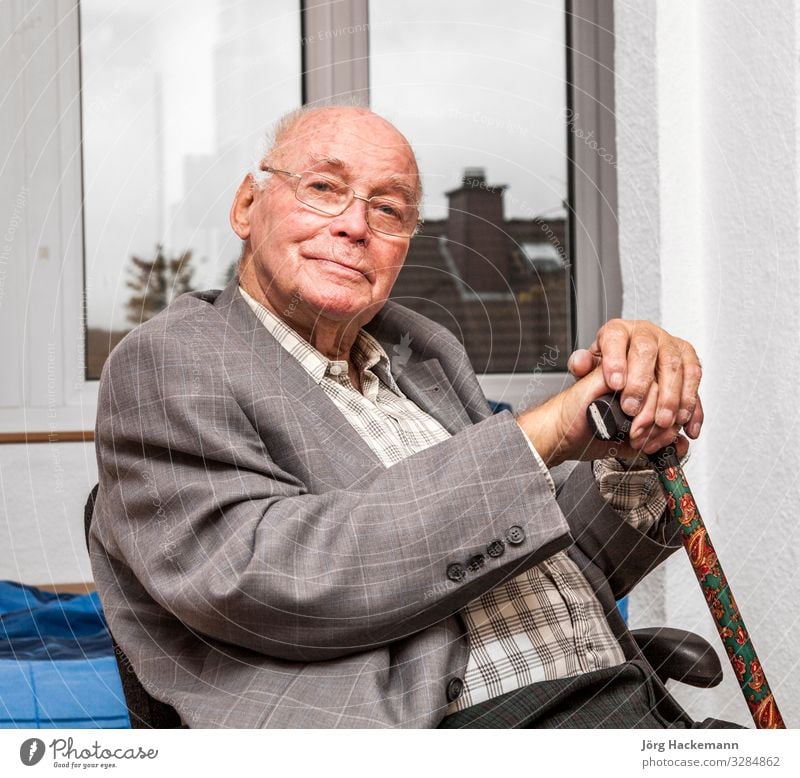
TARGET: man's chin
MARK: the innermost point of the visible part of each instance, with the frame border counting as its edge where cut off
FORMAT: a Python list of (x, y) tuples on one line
[(341, 307)]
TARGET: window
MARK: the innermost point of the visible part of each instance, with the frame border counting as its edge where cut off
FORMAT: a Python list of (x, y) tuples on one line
[(176, 98), (53, 288), (482, 98), (417, 64)]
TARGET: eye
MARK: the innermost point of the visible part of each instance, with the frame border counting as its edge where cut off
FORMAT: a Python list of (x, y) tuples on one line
[(388, 208), (321, 185)]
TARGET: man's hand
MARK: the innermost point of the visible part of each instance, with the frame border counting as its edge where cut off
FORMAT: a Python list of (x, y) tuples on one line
[(559, 430), (658, 375)]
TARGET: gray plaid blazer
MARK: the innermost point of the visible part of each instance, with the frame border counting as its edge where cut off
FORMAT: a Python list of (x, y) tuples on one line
[(261, 568)]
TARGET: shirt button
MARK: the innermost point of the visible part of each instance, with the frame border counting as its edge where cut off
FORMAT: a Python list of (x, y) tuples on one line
[(496, 548), (335, 370), (515, 535), (476, 563), (456, 572), (454, 689)]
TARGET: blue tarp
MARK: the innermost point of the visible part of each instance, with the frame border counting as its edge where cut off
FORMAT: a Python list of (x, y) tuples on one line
[(57, 665)]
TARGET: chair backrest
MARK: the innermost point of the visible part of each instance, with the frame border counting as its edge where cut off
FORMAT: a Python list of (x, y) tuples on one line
[(145, 712)]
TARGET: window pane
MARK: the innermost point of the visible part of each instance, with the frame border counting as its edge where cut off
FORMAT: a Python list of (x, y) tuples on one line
[(481, 96), (176, 98)]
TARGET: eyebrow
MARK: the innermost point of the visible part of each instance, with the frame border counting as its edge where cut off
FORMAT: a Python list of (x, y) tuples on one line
[(392, 183), (333, 162)]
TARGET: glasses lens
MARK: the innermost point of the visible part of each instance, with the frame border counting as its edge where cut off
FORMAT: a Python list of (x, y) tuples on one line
[(392, 217), (325, 194), (332, 197)]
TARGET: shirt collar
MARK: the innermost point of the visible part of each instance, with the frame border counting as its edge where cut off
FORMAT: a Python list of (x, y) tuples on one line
[(367, 353)]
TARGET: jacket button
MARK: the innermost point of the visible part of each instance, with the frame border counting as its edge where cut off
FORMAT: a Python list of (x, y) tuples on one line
[(496, 548), (454, 689), (456, 572), (515, 535), (476, 562)]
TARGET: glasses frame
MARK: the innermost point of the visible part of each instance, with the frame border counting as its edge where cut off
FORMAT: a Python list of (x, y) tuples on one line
[(353, 198)]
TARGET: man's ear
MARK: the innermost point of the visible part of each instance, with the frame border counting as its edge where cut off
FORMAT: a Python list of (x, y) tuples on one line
[(240, 210)]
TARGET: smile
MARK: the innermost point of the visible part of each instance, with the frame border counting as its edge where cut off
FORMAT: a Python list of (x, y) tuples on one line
[(339, 267)]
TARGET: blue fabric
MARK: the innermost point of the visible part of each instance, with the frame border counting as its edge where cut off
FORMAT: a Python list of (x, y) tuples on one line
[(42, 625), (497, 406), (57, 664), (64, 693)]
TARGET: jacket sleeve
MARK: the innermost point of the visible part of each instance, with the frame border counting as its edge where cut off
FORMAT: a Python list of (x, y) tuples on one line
[(624, 553), (236, 547)]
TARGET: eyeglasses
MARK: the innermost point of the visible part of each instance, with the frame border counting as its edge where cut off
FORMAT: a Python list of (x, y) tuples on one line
[(333, 197)]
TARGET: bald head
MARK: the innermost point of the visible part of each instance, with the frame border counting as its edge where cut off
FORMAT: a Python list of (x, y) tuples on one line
[(365, 130)]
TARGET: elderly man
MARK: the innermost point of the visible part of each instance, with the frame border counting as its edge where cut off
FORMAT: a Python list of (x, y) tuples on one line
[(290, 534)]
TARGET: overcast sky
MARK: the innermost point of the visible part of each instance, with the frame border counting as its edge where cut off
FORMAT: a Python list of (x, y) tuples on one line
[(177, 95)]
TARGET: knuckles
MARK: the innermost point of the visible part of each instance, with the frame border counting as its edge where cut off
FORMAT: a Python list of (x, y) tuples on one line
[(672, 363), (693, 373), (644, 348)]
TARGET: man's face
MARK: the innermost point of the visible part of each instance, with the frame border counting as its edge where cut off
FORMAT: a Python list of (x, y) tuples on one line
[(315, 270)]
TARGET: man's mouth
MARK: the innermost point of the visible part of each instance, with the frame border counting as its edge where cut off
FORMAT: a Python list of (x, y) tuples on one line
[(341, 266)]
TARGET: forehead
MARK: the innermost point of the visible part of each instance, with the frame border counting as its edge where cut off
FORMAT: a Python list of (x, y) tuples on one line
[(361, 146)]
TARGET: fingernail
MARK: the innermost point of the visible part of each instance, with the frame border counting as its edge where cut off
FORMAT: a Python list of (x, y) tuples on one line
[(695, 429), (683, 416), (617, 380), (664, 418), (630, 405)]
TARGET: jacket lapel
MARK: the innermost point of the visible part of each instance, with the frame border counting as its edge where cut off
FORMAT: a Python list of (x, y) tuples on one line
[(297, 386), (422, 380), (420, 377), (426, 384)]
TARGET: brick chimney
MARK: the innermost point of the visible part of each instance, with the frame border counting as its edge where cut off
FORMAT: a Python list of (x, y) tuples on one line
[(475, 231)]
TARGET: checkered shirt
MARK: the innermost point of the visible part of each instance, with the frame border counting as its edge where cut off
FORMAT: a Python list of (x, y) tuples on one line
[(541, 625)]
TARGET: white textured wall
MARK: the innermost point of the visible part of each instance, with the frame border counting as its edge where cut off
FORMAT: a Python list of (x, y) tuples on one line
[(707, 140), (43, 488)]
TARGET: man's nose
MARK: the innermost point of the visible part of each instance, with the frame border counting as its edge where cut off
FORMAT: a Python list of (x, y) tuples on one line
[(352, 223)]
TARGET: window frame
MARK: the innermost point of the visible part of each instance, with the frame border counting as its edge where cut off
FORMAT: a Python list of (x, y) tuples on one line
[(48, 304), (45, 299), (592, 181), (592, 197)]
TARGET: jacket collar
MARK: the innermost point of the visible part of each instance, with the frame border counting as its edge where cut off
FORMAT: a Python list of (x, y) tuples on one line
[(419, 375)]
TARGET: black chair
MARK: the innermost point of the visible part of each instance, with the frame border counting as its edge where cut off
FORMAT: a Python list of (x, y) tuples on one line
[(674, 654), (144, 711)]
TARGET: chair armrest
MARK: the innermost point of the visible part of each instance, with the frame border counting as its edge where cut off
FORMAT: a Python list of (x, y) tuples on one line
[(678, 655)]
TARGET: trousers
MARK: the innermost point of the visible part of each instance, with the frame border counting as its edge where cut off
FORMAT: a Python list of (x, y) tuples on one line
[(627, 696)]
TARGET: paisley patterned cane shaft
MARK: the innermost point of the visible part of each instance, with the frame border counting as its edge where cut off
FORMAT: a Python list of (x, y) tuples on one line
[(721, 603)]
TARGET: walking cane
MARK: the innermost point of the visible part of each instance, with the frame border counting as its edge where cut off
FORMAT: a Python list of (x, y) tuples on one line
[(609, 422)]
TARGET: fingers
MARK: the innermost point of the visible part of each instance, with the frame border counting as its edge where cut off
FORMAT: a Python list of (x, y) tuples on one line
[(646, 436), (681, 446), (582, 362), (690, 414), (643, 422), (669, 369), (643, 356), (612, 342), (637, 354), (679, 374), (696, 421), (658, 438)]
